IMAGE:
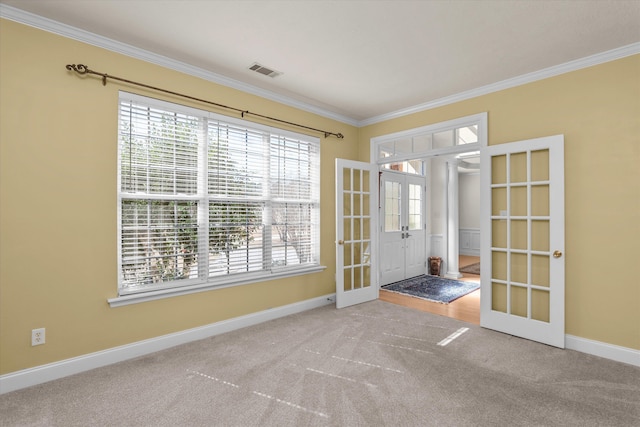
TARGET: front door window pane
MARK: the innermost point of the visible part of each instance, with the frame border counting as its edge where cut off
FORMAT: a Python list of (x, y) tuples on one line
[(415, 207), (392, 206)]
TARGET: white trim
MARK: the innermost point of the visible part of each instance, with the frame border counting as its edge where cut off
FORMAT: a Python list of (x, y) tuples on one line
[(52, 371), (552, 331), (83, 36), (458, 122), (602, 349), (202, 287), (135, 293), (64, 30), (356, 295), (468, 237), (481, 119), (567, 67)]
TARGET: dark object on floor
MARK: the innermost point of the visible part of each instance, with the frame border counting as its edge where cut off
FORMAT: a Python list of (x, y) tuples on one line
[(471, 269), (433, 288), (434, 265)]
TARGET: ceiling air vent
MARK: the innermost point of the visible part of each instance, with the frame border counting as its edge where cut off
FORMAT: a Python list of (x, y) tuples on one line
[(264, 70)]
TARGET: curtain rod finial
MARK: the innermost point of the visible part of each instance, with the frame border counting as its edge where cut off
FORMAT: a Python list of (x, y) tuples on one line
[(80, 68), (337, 135)]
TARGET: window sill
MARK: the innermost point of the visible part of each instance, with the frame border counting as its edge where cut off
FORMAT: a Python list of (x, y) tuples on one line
[(186, 290)]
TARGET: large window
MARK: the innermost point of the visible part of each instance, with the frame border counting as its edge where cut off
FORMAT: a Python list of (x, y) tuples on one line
[(206, 199)]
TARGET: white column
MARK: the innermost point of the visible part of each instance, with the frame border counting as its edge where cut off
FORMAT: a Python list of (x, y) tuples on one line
[(452, 220)]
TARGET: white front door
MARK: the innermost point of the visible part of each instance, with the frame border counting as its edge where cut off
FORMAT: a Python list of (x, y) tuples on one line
[(402, 235), (356, 208), (522, 239)]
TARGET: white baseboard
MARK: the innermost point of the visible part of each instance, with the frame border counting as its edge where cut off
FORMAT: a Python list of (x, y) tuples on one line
[(601, 349), (52, 371)]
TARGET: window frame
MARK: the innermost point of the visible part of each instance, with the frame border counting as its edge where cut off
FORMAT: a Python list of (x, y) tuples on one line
[(204, 200)]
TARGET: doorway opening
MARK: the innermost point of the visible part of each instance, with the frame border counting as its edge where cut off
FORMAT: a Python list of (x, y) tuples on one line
[(434, 213), (442, 163)]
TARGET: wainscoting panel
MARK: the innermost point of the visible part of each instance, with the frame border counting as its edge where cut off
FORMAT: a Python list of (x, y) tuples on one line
[(469, 241)]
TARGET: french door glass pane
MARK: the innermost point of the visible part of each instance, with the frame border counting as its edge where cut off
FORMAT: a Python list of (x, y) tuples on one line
[(540, 270), (346, 179), (540, 200), (540, 165), (520, 271), (499, 297), (499, 201), (540, 305), (540, 235), (518, 301)]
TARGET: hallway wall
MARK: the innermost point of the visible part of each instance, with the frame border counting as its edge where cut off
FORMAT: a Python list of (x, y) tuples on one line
[(469, 196)]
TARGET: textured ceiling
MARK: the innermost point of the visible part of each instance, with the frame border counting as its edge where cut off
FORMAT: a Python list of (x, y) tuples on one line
[(358, 59)]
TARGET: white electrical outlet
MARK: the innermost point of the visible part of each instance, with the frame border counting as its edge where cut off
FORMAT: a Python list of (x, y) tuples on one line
[(37, 336)]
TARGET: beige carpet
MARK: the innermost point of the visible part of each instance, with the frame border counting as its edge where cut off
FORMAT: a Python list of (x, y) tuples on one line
[(374, 364)]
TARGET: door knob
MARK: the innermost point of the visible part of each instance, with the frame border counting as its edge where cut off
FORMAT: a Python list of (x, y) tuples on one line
[(341, 242), (557, 254)]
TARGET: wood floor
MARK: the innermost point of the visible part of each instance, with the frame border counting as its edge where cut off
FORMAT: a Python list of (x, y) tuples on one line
[(466, 308)]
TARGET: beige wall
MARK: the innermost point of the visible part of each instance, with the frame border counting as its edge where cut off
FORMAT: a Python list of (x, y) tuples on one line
[(598, 111), (58, 204)]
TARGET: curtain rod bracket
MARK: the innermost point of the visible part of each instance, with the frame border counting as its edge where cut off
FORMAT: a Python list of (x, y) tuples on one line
[(83, 69)]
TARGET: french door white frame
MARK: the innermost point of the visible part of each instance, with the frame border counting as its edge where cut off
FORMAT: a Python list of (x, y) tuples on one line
[(546, 244), (356, 232)]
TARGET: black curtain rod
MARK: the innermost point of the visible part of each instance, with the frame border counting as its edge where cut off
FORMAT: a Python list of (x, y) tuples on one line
[(83, 69)]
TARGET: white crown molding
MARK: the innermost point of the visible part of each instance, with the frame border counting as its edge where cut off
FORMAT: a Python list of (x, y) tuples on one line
[(83, 36), (55, 27), (556, 70)]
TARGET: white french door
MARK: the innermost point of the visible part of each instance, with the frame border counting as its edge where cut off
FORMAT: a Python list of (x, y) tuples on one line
[(356, 202), (403, 234), (522, 239)]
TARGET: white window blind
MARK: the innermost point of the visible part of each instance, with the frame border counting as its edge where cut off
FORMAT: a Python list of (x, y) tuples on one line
[(209, 199)]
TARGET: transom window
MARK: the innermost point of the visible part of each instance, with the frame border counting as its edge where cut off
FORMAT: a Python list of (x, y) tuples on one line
[(210, 199), (405, 151)]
